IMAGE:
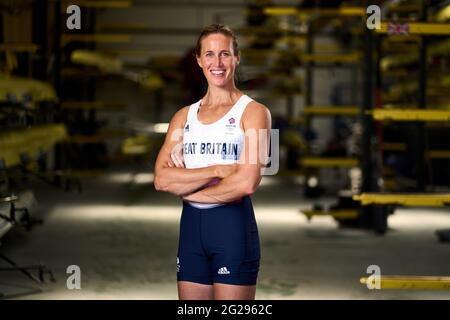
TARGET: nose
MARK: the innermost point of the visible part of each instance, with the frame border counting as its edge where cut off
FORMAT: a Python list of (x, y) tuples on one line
[(218, 61)]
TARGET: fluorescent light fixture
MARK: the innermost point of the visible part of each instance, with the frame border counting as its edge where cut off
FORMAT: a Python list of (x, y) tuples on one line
[(160, 127), (145, 127), (144, 178)]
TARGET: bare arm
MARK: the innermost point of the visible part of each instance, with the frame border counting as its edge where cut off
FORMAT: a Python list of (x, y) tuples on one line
[(170, 174), (247, 177)]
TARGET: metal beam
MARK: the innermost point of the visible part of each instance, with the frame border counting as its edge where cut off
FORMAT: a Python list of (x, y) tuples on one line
[(404, 199), (288, 11), (191, 3), (331, 111), (411, 115), (328, 162), (411, 282), (111, 4)]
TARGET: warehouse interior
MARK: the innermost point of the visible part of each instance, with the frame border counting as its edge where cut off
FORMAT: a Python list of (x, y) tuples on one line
[(359, 93)]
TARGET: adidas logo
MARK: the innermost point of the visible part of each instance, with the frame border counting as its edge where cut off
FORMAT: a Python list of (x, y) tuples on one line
[(223, 270)]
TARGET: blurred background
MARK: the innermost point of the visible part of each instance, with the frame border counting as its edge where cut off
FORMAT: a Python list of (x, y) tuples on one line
[(87, 89)]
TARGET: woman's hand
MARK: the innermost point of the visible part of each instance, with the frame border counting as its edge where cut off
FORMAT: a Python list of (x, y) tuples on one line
[(224, 170), (176, 157)]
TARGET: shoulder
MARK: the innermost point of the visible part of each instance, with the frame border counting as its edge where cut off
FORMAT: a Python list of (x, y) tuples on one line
[(174, 132), (182, 113), (256, 110), (256, 114), (180, 116)]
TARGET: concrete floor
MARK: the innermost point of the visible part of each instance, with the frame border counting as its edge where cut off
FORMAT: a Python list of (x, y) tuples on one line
[(123, 236)]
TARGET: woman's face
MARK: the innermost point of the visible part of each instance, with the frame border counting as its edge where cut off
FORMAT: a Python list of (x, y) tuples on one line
[(217, 59)]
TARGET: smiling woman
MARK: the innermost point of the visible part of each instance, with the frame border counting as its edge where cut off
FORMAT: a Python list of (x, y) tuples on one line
[(219, 56), (205, 159)]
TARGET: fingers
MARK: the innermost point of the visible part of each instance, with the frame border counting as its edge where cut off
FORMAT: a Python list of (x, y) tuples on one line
[(177, 160), (177, 156), (174, 160)]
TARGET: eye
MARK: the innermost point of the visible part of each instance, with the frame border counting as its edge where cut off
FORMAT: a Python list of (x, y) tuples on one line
[(226, 54), (209, 54)]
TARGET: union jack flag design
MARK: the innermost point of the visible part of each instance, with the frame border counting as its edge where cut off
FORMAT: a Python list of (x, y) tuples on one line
[(398, 28)]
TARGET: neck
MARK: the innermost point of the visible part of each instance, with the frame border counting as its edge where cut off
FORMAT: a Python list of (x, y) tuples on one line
[(221, 95)]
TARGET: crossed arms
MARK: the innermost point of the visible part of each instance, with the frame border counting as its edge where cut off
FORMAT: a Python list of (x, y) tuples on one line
[(235, 181)]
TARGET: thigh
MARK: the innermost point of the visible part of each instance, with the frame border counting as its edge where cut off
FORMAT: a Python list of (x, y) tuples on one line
[(233, 292), (233, 243), (192, 262), (231, 231), (194, 291)]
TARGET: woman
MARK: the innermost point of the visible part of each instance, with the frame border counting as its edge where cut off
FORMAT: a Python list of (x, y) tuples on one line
[(209, 159)]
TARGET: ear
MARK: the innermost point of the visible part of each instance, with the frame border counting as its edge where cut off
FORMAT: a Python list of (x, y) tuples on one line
[(199, 61), (238, 59)]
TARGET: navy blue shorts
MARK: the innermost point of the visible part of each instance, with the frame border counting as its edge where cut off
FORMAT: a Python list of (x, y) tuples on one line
[(219, 245)]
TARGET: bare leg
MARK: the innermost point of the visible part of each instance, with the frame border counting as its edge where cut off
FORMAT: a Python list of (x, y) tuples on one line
[(233, 292), (194, 291)]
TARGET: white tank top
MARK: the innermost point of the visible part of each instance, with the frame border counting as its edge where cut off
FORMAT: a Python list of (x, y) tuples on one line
[(220, 142)]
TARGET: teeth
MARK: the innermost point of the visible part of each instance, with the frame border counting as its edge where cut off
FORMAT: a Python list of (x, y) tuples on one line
[(217, 72)]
